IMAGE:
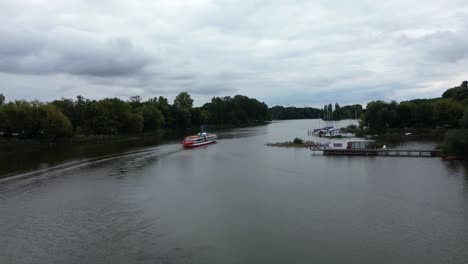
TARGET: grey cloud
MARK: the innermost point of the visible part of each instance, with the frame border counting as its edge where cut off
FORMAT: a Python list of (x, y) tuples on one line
[(300, 52), (443, 46), (35, 54), (65, 88), (198, 87), (18, 43), (212, 89), (179, 77)]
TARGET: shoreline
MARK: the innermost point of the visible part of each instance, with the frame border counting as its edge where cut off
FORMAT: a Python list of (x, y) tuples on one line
[(36, 154), (14, 144)]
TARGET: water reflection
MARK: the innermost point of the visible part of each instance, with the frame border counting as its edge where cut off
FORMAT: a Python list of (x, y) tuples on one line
[(40, 157), (238, 201)]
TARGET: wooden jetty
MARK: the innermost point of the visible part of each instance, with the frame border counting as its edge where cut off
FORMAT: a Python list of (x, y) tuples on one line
[(380, 152)]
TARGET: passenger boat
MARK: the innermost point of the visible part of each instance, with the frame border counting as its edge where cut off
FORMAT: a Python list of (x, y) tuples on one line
[(200, 139)]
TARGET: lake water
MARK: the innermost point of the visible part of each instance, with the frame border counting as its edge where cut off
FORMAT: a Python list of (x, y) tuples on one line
[(238, 201)]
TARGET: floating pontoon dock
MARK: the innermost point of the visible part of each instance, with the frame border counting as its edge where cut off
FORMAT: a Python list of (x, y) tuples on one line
[(379, 152)]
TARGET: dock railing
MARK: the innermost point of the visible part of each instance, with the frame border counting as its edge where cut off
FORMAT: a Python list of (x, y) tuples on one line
[(380, 152)]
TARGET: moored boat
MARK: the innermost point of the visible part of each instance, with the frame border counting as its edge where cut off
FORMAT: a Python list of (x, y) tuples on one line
[(336, 133), (200, 139), (320, 131)]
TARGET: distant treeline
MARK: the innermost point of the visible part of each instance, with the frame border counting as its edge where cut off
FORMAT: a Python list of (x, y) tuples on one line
[(449, 111), (111, 116), (327, 113), (283, 113)]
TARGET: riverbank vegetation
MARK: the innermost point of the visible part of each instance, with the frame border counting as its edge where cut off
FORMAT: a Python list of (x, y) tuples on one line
[(456, 143), (441, 118), (448, 111), (67, 118), (296, 143)]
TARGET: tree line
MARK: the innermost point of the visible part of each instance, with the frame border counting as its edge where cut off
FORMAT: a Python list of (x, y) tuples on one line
[(111, 116), (449, 111), (341, 112), (283, 113), (327, 113)]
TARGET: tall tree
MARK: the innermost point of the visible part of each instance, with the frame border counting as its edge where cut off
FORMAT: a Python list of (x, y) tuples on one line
[(337, 114), (54, 123), (183, 100)]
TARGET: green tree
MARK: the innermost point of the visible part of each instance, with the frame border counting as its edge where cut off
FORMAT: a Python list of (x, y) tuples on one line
[(183, 118), (423, 113), (152, 118), (447, 112), (337, 113), (166, 110), (406, 112), (199, 116), (135, 101), (110, 116), (132, 123), (298, 141), (4, 122), (67, 107), (54, 123), (456, 143), (183, 100), (457, 93), (464, 119), (22, 117), (2, 99)]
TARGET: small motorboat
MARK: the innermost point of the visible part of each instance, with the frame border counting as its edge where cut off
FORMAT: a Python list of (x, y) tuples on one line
[(320, 131), (337, 133), (200, 139)]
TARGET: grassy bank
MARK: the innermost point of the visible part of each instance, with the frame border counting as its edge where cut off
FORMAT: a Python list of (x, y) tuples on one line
[(296, 143)]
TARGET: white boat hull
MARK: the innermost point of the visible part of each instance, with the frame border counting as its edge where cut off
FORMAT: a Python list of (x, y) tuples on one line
[(193, 145)]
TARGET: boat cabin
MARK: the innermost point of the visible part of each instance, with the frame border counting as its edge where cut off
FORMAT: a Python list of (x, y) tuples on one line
[(352, 144), (361, 144)]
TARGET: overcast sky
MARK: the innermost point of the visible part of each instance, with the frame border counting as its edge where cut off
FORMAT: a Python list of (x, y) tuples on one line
[(280, 52)]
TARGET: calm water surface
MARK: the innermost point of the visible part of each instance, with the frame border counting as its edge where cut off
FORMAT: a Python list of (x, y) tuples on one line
[(238, 201)]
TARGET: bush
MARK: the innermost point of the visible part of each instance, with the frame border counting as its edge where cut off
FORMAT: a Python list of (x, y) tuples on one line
[(298, 141), (456, 143)]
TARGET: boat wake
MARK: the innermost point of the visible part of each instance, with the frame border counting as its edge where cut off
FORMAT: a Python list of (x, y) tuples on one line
[(24, 179)]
